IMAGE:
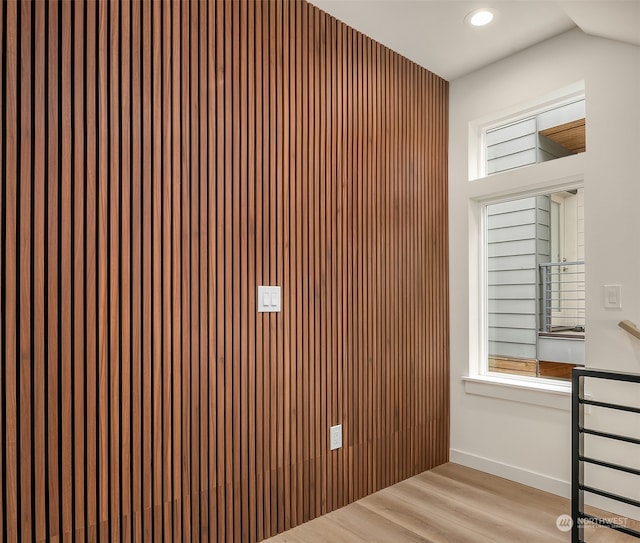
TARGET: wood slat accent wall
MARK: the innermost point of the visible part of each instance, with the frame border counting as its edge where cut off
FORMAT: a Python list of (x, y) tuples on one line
[(159, 160)]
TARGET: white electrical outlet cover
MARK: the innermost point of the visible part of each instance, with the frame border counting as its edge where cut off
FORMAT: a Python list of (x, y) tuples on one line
[(335, 437)]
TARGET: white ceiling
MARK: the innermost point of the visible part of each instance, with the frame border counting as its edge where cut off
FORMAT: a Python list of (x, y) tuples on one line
[(433, 33)]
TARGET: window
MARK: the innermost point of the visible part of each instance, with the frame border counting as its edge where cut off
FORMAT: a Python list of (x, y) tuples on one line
[(535, 289), (552, 133)]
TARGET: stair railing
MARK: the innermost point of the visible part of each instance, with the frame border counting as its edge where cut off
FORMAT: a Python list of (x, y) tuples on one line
[(579, 458)]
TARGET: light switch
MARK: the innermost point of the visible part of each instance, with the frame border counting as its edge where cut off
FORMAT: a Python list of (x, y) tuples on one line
[(613, 297), (269, 300)]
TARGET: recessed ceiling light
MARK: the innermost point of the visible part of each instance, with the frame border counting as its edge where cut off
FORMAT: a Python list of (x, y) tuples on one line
[(480, 17)]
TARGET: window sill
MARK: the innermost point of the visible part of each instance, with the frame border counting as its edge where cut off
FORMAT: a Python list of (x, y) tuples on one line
[(552, 394)]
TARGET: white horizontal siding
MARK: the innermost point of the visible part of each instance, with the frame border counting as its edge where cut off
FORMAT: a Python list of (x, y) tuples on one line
[(517, 239), (513, 277), (512, 205), (509, 162), (561, 115), (544, 232), (513, 335), (511, 147), (543, 247), (512, 350), (518, 262), (513, 233), (524, 307), (511, 131), (515, 218), (511, 248), (510, 320), (512, 292)]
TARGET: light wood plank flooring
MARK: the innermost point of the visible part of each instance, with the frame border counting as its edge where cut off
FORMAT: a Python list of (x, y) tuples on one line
[(450, 504)]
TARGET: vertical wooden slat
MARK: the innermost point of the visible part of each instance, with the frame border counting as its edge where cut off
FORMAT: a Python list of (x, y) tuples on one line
[(146, 204), (126, 463), (91, 213), (10, 190), (204, 380), (286, 281), (235, 362), (342, 259), (277, 191), (193, 246), (66, 473), (259, 345), (271, 264), (209, 82), (3, 358), (52, 271), (115, 191), (176, 283), (136, 280), (368, 188), (306, 353), (214, 287), (363, 264), (220, 271), (334, 290), (166, 134), (38, 293), (375, 285), (24, 213), (227, 191), (102, 391), (262, 258), (312, 241), (79, 266), (251, 392), (157, 446), (185, 253), (348, 374), (242, 287), (321, 263), (297, 281)]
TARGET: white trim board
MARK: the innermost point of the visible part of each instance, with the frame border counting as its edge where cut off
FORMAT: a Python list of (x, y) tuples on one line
[(513, 473), (537, 480)]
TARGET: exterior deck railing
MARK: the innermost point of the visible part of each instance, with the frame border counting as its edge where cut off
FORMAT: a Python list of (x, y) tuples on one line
[(563, 304)]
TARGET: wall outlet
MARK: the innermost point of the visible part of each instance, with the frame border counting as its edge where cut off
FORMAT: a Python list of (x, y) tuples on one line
[(335, 437)]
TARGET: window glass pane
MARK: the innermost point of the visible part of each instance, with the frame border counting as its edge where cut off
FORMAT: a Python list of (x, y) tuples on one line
[(535, 294), (554, 133)]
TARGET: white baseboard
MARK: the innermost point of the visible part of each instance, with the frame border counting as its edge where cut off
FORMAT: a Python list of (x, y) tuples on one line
[(513, 473), (537, 480)]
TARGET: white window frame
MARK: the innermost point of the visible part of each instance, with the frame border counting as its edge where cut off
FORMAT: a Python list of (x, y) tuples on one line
[(479, 128), (535, 179), (483, 265)]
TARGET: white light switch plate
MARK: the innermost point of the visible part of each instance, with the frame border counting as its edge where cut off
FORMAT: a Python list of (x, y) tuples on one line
[(613, 297), (269, 299), (335, 437)]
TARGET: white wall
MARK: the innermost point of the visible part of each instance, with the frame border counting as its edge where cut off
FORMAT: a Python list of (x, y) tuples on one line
[(530, 442)]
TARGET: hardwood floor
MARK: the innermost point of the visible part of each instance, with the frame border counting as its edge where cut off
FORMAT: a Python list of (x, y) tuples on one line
[(451, 504)]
